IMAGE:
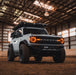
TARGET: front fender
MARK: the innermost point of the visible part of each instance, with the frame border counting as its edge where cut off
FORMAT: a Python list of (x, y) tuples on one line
[(23, 42)]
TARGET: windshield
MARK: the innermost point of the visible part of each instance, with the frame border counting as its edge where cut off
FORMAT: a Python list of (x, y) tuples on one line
[(34, 31)]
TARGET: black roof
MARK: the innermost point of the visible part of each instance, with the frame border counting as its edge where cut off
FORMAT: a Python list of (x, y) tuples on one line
[(25, 24)]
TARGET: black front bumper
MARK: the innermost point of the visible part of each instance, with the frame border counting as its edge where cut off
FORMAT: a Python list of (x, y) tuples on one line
[(45, 49)]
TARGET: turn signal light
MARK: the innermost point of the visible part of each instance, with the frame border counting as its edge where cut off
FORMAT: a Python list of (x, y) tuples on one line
[(33, 39), (61, 40)]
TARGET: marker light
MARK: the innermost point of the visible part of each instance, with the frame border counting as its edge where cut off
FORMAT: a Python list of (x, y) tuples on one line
[(61, 40)]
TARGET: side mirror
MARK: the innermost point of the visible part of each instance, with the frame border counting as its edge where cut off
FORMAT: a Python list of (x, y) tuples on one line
[(12, 34)]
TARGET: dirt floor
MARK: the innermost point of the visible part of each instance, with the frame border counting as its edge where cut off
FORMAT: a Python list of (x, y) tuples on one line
[(45, 67)]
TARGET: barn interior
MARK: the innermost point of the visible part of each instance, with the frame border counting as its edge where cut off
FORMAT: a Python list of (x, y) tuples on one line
[(60, 19), (58, 15)]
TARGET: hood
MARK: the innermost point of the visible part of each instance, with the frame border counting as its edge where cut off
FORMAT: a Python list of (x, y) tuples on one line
[(46, 35)]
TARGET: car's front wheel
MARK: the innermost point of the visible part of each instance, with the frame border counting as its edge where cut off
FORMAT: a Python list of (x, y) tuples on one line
[(10, 54), (59, 56), (23, 53)]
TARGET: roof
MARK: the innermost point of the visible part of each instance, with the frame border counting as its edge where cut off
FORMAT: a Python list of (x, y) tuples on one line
[(25, 24)]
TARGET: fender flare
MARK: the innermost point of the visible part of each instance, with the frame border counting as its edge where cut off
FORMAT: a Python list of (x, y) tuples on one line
[(11, 45), (23, 42)]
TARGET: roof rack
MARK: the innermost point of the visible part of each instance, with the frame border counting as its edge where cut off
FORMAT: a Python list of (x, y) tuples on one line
[(25, 24)]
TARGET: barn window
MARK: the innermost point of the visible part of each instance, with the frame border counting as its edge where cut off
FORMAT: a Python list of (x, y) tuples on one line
[(9, 36), (65, 33), (72, 32)]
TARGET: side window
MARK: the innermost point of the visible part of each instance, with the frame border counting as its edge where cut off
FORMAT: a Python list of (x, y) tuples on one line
[(16, 34)]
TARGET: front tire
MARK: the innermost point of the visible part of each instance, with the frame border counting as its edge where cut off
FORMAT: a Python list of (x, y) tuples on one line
[(10, 54), (59, 57), (23, 53)]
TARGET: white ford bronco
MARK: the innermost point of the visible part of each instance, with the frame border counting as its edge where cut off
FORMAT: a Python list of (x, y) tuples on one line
[(30, 39)]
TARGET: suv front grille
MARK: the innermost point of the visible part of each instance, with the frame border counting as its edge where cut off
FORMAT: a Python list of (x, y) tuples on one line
[(47, 40)]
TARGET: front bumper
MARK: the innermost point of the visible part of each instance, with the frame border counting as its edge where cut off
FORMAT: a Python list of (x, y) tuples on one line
[(45, 49)]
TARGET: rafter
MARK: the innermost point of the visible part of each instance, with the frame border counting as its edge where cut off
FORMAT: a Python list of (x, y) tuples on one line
[(64, 10)]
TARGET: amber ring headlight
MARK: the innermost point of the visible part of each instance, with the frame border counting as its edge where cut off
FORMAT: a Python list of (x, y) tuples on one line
[(33, 39), (61, 40)]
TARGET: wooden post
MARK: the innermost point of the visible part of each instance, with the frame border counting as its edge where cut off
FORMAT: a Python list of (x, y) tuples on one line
[(55, 29), (69, 35), (2, 36)]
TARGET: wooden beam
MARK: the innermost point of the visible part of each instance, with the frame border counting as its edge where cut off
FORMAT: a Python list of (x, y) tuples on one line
[(62, 11), (4, 42), (16, 7), (8, 23), (1, 2), (7, 13)]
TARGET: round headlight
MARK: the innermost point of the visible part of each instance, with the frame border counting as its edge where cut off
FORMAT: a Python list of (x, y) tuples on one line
[(61, 40), (32, 39)]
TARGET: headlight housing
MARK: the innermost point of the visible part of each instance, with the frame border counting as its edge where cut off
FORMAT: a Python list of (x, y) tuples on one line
[(33, 39), (61, 40)]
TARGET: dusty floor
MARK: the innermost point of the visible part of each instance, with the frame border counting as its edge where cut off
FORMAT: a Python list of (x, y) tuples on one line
[(45, 67)]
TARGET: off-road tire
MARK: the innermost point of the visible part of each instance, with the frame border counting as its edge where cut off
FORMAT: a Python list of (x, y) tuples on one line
[(23, 53), (10, 54), (59, 56)]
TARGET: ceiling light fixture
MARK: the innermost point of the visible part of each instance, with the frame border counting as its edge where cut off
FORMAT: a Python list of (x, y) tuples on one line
[(4, 7), (45, 6), (46, 13), (15, 23), (25, 19), (1, 14), (31, 14)]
